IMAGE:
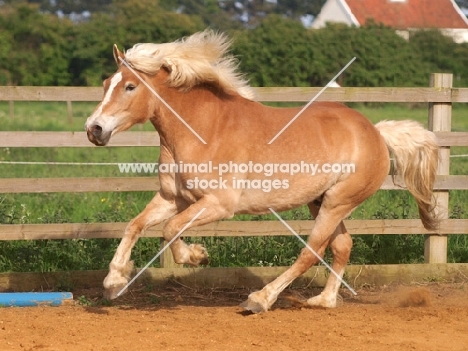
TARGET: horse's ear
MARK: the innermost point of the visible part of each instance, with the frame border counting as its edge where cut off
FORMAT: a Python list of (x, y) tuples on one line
[(118, 55)]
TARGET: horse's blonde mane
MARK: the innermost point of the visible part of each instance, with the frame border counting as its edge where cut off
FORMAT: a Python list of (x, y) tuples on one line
[(199, 58)]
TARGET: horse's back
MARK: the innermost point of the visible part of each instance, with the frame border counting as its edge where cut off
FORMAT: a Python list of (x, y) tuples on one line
[(330, 121)]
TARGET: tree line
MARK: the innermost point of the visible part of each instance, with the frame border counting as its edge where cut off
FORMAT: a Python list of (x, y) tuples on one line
[(39, 48)]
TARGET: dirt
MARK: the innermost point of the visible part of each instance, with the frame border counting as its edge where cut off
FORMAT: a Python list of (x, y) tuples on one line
[(419, 317)]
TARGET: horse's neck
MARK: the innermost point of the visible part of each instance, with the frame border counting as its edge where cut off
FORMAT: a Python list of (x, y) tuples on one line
[(193, 118)]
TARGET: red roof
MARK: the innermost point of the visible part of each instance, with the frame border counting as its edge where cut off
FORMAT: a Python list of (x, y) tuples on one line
[(410, 13)]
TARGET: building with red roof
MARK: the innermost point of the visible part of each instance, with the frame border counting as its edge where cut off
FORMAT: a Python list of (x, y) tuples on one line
[(403, 15)]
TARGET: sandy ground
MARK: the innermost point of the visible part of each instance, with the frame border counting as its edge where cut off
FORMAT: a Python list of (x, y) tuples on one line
[(419, 317)]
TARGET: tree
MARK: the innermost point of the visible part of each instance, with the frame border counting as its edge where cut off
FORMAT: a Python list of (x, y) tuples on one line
[(212, 12), (69, 6), (383, 57), (276, 53), (297, 8), (442, 53), (38, 48), (280, 52), (128, 22)]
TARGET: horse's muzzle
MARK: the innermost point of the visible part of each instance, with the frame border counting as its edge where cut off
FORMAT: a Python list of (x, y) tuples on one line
[(97, 136)]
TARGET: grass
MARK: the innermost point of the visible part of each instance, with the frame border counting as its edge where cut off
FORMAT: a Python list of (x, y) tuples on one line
[(52, 255)]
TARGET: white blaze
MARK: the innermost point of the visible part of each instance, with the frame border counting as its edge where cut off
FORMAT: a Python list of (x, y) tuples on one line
[(114, 81), (107, 124)]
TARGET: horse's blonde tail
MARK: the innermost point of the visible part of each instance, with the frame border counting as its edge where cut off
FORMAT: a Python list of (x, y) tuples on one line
[(416, 156)]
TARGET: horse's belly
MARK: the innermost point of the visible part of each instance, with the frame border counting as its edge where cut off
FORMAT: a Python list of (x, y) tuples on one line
[(279, 194)]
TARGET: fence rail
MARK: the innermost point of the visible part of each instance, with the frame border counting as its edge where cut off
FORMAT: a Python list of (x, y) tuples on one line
[(439, 96), (119, 184), (223, 229), (79, 139), (268, 94)]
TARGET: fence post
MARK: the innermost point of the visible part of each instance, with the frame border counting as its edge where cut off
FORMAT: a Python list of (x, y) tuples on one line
[(440, 120), (166, 260)]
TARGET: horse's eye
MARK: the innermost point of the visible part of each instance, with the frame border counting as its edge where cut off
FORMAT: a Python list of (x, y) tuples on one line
[(130, 87)]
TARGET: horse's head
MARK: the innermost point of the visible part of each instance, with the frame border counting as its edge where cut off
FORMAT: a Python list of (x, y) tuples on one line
[(126, 102), (199, 59)]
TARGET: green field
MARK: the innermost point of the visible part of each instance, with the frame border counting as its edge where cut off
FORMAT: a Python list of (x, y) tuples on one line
[(51, 255)]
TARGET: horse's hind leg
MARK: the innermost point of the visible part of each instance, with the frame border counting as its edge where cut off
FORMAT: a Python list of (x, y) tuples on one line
[(340, 244), (328, 219)]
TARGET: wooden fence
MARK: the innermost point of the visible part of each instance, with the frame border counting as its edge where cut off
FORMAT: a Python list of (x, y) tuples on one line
[(440, 96)]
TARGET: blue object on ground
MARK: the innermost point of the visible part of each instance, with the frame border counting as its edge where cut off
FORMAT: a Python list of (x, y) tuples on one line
[(24, 299)]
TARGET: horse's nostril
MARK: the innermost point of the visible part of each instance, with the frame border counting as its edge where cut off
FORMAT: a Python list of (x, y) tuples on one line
[(96, 130)]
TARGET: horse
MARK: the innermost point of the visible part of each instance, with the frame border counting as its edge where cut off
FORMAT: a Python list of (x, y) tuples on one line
[(206, 114)]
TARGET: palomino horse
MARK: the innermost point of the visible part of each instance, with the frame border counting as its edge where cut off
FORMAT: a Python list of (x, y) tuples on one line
[(197, 78)]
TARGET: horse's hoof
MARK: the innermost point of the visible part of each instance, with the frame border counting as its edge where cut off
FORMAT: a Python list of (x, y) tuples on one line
[(320, 301), (114, 292), (199, 255), (253, 306), (205, 261)]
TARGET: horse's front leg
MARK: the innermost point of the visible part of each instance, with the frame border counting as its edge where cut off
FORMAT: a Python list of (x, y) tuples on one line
[(206, 210), (121, 267)]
